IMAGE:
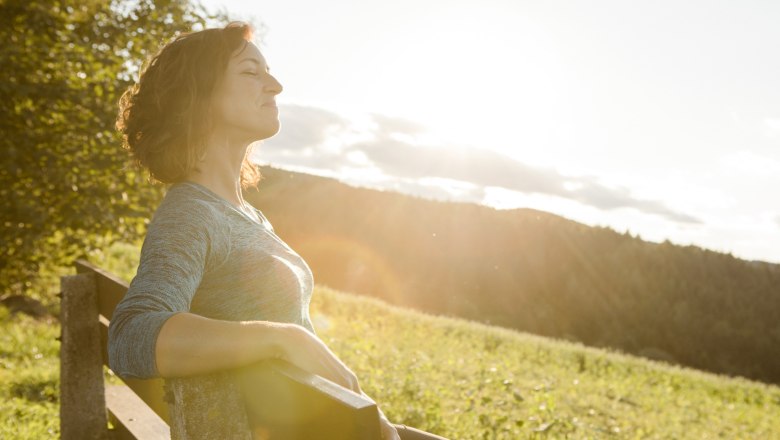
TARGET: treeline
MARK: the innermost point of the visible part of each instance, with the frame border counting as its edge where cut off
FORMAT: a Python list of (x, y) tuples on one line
[(534, 271)]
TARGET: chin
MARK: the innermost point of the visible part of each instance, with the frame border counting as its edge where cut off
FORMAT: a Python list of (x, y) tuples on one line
[(271, 133), (266, 131)]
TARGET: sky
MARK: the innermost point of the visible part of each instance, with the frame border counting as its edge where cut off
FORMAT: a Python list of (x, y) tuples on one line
[(658, 118)]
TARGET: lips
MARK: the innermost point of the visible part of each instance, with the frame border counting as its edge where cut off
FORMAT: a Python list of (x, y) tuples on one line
[(269, 104)]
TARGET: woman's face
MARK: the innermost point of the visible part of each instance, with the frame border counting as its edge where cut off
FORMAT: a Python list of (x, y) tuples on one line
[(244, 104)]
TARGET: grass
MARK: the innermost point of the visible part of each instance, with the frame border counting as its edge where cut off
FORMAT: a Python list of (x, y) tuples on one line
[(456, 378), (469, 381), (29, 377)]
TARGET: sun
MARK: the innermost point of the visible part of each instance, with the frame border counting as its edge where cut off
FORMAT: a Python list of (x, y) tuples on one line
[(469, 77)]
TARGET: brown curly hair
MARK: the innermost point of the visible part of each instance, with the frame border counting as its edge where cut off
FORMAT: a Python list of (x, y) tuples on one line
[(165, 118)]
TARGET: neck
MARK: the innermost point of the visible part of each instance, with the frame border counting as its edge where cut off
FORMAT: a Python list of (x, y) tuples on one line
[(220, 169)]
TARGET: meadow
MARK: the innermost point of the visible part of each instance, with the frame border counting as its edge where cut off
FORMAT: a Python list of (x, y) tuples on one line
[(456, 378)]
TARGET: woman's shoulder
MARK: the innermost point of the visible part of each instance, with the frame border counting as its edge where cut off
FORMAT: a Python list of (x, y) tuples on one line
[(188, 224), (184, 205)]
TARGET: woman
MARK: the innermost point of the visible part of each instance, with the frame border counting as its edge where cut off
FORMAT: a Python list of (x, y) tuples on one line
[(216, 288)]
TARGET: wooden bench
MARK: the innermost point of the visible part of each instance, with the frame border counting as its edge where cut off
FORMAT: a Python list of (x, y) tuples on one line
[(298, 405)]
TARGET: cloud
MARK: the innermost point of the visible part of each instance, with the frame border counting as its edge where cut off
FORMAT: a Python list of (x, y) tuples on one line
[(772, 127), (483, 167), (304, 157), (410, 164), (488, 168), (438, 190), (304, 126), (750, 163), (605, 198), (387, 125)]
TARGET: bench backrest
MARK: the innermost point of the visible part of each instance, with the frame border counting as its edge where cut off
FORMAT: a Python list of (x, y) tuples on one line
[(297, 404)]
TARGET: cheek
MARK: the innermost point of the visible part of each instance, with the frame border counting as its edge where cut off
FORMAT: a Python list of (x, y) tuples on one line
[(245, 99), (234, 103), (226, 112)]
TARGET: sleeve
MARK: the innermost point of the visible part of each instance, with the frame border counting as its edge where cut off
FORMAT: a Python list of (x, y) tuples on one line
[(173, 260)]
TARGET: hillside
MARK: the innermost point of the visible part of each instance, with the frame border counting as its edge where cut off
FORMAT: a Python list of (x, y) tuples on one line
[(533, 271), (456, 378)]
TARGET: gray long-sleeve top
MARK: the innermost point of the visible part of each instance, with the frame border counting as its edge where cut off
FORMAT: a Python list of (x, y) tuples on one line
[(203, 255)]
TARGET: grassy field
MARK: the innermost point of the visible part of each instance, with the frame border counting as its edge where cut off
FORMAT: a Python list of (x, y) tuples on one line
[(456, 378)]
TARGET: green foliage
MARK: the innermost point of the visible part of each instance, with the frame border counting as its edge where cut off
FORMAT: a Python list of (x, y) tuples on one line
[(64, 179)]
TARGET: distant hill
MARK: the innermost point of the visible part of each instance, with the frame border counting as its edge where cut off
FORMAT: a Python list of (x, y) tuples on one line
[(533, 271)]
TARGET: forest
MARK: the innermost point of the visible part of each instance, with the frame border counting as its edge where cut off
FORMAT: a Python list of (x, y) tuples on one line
[(534, 271)]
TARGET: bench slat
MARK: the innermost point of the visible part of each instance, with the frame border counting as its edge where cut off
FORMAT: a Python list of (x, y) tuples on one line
[(110, 288), (135, 419), (307, 406)]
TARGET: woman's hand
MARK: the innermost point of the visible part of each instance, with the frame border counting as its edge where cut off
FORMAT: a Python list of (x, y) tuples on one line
[(387, 429), (305, 350)]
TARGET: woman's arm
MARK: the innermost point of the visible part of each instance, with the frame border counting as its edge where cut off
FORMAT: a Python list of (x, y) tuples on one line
[(179, 244), (190, 344)]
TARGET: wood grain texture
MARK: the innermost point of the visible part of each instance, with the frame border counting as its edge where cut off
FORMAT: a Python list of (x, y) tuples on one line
[(82, 403), (137, 420)]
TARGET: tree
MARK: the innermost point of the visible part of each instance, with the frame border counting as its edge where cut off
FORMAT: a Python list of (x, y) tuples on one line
[(65, 183)]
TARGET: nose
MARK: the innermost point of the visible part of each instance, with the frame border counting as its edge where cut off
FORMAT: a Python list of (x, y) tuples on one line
[(273, 86)]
